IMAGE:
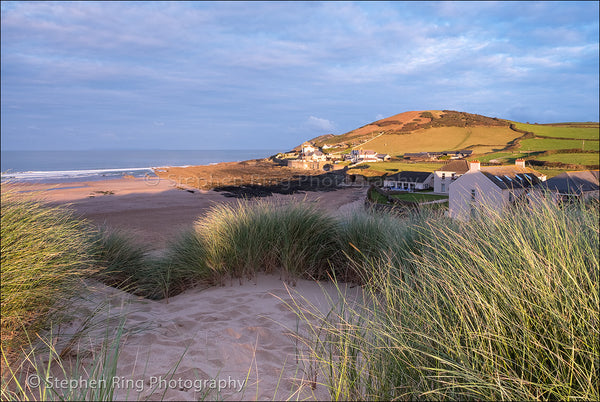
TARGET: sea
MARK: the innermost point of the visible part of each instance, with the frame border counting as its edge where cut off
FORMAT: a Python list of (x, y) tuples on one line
[(68, 166)]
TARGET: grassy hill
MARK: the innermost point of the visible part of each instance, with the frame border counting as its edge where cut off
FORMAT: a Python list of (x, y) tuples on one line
[(421, 130), (560, 145)]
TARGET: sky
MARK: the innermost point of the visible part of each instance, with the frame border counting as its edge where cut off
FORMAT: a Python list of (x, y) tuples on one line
[(270, 75)]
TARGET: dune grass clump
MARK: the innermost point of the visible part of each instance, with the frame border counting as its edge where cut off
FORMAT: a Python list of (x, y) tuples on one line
[(121, 262), (239, 240), (504, 306), (125, 264), (45, 254)]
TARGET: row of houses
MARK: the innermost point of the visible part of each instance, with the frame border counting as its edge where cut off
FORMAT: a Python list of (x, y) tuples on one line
[(498, 186), (470, 185), (309, 154), (434, 156)]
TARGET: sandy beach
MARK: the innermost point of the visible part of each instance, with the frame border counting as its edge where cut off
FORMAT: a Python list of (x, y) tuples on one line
[(154, 210), (242, 335)]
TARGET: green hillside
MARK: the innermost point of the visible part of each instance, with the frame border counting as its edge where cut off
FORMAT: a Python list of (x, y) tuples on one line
[(560, 145)]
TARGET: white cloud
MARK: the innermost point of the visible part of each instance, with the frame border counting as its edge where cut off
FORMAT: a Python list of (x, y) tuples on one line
[(321, 124)]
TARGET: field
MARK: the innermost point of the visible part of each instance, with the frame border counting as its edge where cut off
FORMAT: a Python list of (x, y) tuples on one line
[(393, 167), (562, 136), (419, 197), (547, 144), (443, 139), (579, 159), (574, 131), (503, 157)]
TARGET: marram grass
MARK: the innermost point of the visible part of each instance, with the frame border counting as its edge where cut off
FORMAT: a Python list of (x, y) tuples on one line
[(45, 253), (504, 307), (238, 240), (43, 374)]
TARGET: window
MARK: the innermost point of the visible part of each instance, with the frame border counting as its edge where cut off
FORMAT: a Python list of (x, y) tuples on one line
[(443, 187), (443, 176), (473, 195)]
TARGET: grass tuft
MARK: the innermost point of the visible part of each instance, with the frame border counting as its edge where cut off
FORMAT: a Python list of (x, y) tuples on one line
[(45, 254), (505, 306)]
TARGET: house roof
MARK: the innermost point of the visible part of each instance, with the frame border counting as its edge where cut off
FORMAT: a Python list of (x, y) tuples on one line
[(573, 182), (458, 166), (410, 177), (512, 176)]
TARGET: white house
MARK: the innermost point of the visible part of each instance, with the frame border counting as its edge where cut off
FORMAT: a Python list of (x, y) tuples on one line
[(447, 174), (494, 186), (359, 155), (314, 156), (308, 148), (409, 181)]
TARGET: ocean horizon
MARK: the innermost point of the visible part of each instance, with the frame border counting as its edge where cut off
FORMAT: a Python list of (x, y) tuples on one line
[(63, 166)]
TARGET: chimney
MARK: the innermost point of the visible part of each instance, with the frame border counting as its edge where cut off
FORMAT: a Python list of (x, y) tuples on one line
[(520, 163), (474, 166)]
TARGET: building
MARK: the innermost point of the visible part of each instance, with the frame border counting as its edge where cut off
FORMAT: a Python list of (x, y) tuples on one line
[(572, 185), (446, 175), (459, 154), (314, 156), (409, 181), (359, 155), (308, 148), (493, 186), (419, 156), (309, 164)]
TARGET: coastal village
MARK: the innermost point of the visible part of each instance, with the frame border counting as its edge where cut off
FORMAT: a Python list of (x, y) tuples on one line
[(459, 184)]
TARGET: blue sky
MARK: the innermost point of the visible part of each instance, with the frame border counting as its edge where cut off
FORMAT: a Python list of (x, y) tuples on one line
[(256, 75)]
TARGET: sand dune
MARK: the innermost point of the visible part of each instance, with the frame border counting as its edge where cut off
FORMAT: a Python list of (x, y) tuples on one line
[(242, 336), (239, 336)]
